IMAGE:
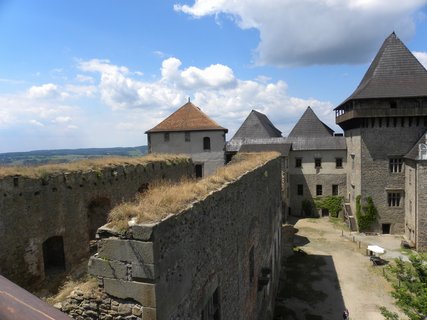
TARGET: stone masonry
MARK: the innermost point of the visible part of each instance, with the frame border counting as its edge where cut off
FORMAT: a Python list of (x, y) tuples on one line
[(221, 254), (66, 206)]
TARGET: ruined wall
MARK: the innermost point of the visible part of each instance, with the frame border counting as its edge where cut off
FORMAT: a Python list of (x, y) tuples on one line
[(65, 208), (221, 255)]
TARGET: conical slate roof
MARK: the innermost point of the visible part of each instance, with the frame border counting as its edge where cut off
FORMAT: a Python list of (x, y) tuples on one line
[(257, 126), (312, 134), (187, 118), (394, 73), (310, 126)]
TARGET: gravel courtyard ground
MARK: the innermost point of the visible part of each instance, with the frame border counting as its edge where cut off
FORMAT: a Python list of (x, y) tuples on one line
[(330, 273)]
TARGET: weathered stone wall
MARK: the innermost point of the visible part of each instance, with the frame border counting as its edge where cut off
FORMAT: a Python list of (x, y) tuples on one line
[(410, 200), (369, 149), (378, 145), (421, 205), (67, 206), (223, 251)]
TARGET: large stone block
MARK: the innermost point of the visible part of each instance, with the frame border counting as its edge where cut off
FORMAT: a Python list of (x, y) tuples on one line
[(126, 250), (149, 314), (144, 271), (107, 268), (142, 232), (144, 293)]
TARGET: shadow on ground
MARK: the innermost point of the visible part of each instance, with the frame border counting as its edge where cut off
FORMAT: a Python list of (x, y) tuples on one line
[(309, 287)]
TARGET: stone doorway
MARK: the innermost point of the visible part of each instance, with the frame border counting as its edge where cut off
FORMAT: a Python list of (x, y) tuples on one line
[(98, 210), (53, 255)]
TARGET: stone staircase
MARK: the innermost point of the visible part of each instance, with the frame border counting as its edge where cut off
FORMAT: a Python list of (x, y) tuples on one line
[(349, 218)]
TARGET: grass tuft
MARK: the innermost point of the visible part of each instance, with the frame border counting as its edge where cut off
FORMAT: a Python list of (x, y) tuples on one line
[(167, 198), (97, 165)]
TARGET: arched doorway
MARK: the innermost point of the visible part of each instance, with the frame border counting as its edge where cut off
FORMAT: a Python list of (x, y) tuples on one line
[(53, 255)]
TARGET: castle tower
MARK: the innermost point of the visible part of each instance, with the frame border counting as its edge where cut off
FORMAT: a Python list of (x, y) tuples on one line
[(382, 120)]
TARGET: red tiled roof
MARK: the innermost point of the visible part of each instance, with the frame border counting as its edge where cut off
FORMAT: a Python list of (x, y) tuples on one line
[(187, 118)]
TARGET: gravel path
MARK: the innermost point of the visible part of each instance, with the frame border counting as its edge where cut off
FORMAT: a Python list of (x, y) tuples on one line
[(330, 273)]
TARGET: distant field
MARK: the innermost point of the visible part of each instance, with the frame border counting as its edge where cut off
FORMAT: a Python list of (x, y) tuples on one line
[(66, 155)]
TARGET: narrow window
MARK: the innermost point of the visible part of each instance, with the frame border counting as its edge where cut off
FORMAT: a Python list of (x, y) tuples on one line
[(395, 122), (410, 122), (317, 162), (394, 199), (393, 105), (402, 122), (318, 189), (187, 136), (387, 122), (206, 143), (300, 190), (334, 189), (395, 165), (338, 163), (298, 163), (380, 122), (166, 136)]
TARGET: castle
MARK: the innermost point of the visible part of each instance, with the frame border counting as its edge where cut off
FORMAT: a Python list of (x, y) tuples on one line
[(381, 155), (219, 256)]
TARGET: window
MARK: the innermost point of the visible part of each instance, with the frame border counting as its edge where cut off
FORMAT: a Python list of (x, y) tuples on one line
[(317, 162), (338, 162), (394, 199), (318, 189), (393, 105), (187, 136), (300, 189), (211, 310), (298, 163), (334, 189), (206, 143), (166, 136), (395, 164)]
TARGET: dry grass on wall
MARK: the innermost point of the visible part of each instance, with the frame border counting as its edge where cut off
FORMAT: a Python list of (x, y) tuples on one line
[(164, 199), (87, 165)]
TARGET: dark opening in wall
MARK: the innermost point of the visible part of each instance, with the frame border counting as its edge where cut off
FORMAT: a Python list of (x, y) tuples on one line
[(386, 228), (97, 215), (53, 255), (143, 188), (198, 170)]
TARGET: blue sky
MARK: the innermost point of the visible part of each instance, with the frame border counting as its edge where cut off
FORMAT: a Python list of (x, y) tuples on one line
[(76, 74)]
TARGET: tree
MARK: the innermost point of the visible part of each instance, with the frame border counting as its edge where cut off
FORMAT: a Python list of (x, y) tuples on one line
[(410, 287)]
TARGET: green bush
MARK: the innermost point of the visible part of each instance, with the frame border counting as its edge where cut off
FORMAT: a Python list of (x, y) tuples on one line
[(366, 215), (332, 203)]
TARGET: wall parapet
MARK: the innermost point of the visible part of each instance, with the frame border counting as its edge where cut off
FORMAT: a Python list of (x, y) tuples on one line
[(58, 213)]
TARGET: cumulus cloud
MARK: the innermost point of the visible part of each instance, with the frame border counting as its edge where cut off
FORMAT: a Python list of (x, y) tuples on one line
[(307, 32), (422, 57), (48, 90), (214, 88)]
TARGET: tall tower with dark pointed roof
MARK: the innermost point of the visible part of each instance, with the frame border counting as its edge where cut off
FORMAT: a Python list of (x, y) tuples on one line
[(382, 120)]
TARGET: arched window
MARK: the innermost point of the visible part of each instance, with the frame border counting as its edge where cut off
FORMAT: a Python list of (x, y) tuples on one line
[(206, 143)]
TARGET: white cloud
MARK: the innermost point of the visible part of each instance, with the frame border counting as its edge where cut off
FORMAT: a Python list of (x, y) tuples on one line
[(422, 57), (36, 123), (61, 119), (214, 88), (306, 32), (48, 90), (84, 78)]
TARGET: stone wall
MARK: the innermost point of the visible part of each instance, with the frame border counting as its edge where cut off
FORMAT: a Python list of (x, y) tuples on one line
[(421, 205), (46, 223), (222, 255), (369, 149)]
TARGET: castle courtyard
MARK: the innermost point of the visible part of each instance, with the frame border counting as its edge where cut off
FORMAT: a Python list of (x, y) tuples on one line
[(328, 272)]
